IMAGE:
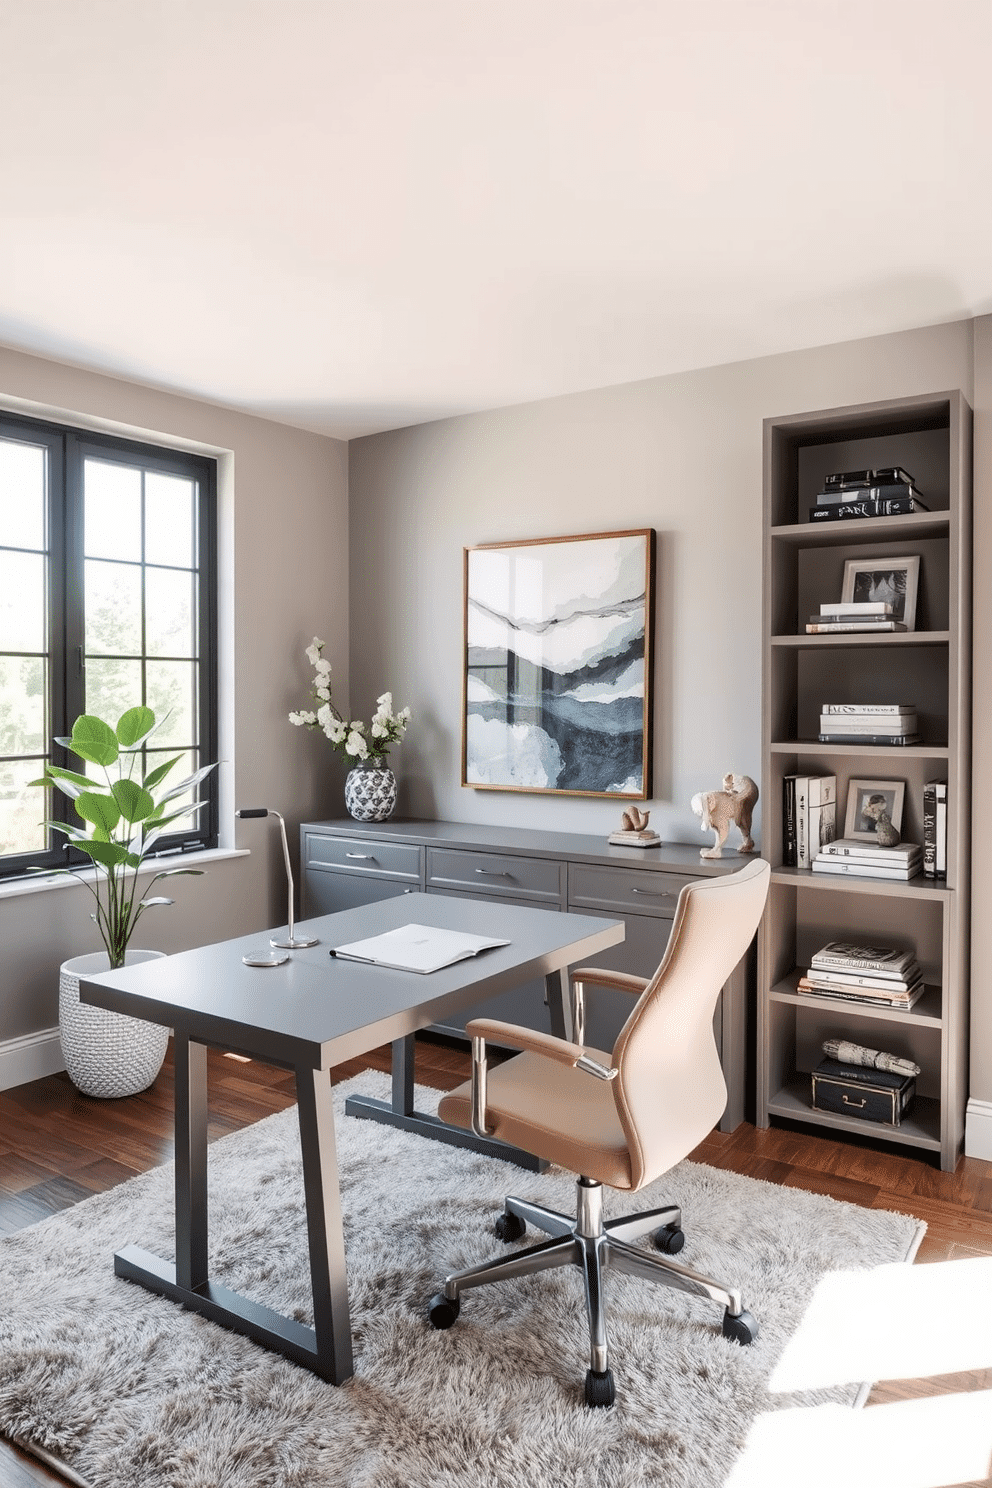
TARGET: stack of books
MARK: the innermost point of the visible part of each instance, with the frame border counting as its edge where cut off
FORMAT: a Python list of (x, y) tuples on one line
[(887, 492), (854, 615), (865, 859), (810, 817), (877, 975), (868, 723)]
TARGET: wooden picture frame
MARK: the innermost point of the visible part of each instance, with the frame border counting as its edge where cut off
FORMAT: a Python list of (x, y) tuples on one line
[(557, 682), (893, 579), (860, 827)]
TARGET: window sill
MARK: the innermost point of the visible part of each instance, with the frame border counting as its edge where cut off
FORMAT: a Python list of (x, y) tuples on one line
[(39, 883)]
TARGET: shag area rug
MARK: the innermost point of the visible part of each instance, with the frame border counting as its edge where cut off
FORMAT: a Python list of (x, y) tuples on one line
[(131, 1392)]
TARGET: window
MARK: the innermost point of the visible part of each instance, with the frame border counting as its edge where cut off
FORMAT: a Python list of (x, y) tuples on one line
[(107, 600)]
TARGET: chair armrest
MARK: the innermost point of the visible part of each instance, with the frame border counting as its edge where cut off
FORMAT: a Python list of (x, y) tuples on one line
[(599, 976), (530, 1040)]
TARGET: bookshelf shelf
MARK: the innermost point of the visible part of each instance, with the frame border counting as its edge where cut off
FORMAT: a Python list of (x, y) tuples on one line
[(928, 668), (921, 1129)]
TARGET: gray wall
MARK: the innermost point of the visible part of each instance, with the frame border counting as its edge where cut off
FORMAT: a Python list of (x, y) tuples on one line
[(284, 576), (681, 454)]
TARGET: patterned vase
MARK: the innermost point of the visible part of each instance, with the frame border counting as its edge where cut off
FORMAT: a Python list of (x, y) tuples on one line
[(106, 1054), (370, 793)]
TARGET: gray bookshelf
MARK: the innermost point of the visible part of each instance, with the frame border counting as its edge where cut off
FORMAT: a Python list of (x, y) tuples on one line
[(929, 436)]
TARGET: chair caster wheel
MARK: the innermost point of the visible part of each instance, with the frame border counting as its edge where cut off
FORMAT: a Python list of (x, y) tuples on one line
[(441, 1311), (742, 1328), (599, 1388), (509, 1227), (669, 1239)]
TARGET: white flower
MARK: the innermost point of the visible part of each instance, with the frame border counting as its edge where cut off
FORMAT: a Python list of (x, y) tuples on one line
[(323, 693), (323, 667), (314, 649), (386, 702), (355, 744), (325, 716), (336, 732), (301, 718), (403, 716), (378, 731)]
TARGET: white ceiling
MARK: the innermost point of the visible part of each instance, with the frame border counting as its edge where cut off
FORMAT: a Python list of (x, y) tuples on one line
[(352, 215)]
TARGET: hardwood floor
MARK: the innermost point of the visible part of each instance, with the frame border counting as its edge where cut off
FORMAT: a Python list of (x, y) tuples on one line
[(57, 1147)]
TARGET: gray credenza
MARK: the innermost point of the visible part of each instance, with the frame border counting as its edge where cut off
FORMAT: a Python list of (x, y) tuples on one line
[(347, 863)]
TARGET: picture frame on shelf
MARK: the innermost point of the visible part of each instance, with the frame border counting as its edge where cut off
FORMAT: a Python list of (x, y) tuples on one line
[(890, 793), (893, 580), (558, 666)]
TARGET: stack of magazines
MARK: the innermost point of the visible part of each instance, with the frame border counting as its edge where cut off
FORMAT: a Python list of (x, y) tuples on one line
[(857, 615), (869, 723), (888, 492), (864, 858), (877, 975)]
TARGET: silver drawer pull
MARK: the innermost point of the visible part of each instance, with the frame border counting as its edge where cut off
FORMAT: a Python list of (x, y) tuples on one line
[(859, 1105), (369, 857), (494, 872), (654, 893)]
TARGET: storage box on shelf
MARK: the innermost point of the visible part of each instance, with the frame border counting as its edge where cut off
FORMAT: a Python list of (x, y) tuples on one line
[(927, 667)]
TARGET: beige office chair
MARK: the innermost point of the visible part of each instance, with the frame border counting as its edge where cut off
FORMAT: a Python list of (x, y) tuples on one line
[(622, 1120)]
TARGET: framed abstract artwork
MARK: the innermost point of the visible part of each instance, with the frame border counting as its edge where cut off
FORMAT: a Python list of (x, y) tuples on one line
[(557, 685)]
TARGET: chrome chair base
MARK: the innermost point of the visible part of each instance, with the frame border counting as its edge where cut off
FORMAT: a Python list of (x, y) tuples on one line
[(594, 1246)]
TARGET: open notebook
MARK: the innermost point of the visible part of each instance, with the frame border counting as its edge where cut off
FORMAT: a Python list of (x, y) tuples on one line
[(420, 948)]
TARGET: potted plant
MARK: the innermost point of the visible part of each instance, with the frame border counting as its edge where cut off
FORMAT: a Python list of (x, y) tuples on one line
[(370, 788), (121, 817)]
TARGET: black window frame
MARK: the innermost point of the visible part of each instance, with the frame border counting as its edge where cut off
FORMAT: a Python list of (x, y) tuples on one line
[(68, 447)]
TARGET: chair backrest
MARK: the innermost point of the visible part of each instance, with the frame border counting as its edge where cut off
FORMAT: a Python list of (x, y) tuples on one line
[(671, 1091)]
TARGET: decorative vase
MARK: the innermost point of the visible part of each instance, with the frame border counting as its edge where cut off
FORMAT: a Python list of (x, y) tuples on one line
[(105, 1053), (370, 792)]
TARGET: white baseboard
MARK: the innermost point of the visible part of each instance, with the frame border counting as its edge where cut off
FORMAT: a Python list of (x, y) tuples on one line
[(978, 1129), (30, 1057)]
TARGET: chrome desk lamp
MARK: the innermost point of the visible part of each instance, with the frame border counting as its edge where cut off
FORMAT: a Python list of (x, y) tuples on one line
[(291, 942)]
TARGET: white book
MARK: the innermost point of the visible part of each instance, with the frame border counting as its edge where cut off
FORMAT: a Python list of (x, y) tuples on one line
[(824, 863), (893, 986), (852, 723), (422, 948), (852, 847), (852, 995), (845, 956), (867, 708), (941, 844), (856, 607)]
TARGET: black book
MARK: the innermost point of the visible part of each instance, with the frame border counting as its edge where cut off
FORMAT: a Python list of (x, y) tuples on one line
[(885, 475), (930, 829), (840, 511), (837, 494), (789, 838)]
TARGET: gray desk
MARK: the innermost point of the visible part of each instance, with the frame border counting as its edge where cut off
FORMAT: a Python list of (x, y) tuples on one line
[(309, 1015)]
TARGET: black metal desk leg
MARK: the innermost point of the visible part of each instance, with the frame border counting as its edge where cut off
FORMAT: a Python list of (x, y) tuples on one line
[(191, 1162), (559, 1011), (404, 1057), (328, 1275)]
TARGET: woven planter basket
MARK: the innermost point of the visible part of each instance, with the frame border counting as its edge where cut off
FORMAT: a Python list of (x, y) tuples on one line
[(106, 1054)]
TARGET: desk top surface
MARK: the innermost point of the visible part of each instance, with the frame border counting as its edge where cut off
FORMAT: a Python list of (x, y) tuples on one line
[(318, 1011)]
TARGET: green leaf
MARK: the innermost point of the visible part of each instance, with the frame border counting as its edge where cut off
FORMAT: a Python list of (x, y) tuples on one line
[(148, 903), (64, 779), (184, 785), (156, 776), (134, 801), (94, 740), (107, 854), (101, 810), (134, 726), (181, 873)]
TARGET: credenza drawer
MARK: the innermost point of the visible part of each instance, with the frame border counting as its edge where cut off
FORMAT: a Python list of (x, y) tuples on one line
[(629, 890), (359, 855), (502, 874)]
